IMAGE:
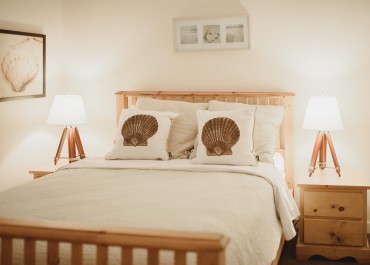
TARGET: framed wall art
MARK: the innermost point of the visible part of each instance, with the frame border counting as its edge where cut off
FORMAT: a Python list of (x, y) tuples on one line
[(22, 65), (211, 33)]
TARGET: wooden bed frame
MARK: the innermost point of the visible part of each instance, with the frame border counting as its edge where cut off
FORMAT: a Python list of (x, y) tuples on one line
[(209, 247)]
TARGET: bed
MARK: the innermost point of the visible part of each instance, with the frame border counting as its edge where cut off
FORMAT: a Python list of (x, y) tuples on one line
[(201, 206)]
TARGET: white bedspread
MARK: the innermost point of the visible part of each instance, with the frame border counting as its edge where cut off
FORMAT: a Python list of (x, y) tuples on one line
[(245, 203)]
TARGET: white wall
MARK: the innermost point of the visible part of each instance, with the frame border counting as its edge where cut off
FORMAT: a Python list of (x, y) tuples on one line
[(305, 46), (25, 139)]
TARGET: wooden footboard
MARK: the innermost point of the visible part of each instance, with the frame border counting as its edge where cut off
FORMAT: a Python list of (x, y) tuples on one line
[(209, 247)]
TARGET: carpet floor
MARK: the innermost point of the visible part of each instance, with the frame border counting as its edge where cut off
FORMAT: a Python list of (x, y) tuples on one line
[(288, 257)]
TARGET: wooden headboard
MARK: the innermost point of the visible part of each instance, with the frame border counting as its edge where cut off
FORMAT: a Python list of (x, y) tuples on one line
[(284, 144)]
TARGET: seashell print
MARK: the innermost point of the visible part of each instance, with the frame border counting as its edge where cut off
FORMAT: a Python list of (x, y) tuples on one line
[(138, 129), (20, 64), (219, 135)]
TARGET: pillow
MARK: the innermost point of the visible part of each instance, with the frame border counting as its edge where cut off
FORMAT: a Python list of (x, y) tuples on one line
[(142, 135), (279, 162), (225, 137), (267, 123), (184, 127)]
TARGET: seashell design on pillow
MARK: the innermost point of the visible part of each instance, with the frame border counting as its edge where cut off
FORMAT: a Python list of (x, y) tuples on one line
[(20, 65), (219, 135), (138, 129)]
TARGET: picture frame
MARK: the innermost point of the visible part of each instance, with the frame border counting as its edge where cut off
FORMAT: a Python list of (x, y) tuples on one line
[(211, 33), (22, 65)]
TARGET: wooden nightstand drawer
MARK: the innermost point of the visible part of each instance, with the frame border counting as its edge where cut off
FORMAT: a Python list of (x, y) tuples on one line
[(334, 216), (334, 204), (333, 232)]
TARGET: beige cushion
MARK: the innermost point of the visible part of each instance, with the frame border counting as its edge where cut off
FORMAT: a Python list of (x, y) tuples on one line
[(142, 135), (184, 127), (225, 137), (267, 124)]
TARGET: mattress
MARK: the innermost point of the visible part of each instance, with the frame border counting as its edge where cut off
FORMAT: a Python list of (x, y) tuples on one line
[(251, 205)]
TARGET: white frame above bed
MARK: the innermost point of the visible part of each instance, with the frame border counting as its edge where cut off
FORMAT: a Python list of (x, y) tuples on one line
[(284, 143)]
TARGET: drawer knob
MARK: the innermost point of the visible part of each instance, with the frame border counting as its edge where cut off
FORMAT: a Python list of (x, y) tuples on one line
[(341, 209), (315, 210)]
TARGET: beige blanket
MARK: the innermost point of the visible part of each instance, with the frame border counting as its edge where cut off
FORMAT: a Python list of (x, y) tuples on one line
[(239, 205)]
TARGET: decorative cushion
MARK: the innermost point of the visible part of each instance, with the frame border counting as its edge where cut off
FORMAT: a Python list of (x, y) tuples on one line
[(184, 127), (142, 135), (268, 119), (225, 137)]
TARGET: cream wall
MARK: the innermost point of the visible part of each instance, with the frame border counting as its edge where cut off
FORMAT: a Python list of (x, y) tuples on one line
[(307, 46), (25, 139)]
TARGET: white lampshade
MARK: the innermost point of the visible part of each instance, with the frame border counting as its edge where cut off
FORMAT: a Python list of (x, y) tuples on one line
[(67, 110), (322, 114)]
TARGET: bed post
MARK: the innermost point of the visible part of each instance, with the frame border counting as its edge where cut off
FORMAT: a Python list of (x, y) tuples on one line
[(121, 103), (289, 142)]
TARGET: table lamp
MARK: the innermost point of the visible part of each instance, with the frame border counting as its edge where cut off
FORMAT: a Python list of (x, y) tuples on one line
[(68, 111), (323, 116)]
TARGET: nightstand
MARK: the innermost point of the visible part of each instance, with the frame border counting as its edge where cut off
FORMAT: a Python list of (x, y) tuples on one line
[(333, 216)]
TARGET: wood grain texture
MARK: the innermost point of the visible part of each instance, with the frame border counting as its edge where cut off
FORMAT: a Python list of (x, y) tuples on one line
[(77, 252), (180, 258), (6, 250), (153, 256), (126, 256), (211, 258), (103, 236), (334, 204), (334, 220), (53, 252), (333, 232), (29, 252), (102, 255)]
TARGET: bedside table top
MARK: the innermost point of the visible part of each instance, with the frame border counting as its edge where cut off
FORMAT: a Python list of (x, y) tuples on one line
[(329, 178), (46, 168)]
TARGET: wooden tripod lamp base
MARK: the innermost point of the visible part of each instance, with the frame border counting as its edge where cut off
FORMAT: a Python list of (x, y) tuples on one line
[(74, 141), (322, 140)]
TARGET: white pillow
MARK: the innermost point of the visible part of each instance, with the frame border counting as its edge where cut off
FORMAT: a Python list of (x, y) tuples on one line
[(279, 162), (184, 127), (268, 119), (225, 137), (142, 135)]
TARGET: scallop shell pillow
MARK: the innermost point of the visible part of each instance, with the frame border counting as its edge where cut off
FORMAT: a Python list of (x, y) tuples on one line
[(225, 137), (268, 119), (142, 135)]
